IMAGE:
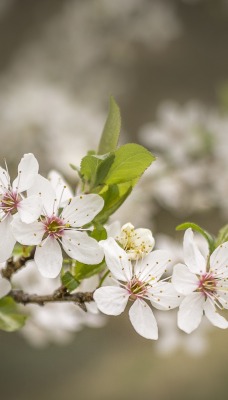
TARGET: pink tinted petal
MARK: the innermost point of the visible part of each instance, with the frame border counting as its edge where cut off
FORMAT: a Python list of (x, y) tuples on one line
[(48, 258), (27, 173), (29, 209), (153, 265), (190, 312), (213, 316), (82, 209), (143, 320), (192, 256), (111, 300), (5, 287), (7, 240), (219, 261), (164, 297), (81, 247), (184, 281), (27, 234), (117, 260)]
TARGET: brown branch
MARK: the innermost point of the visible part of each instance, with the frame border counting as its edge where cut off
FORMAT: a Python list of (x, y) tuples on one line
[(24, 298), (13, 266)]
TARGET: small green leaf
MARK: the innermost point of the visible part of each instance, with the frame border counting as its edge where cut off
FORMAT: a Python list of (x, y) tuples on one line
[(84, 271), (10, 319), (222, 235), (110, 135), (114, 196), (200, 230), (103, 169), (99, 233), (131, 160), (69, 281)]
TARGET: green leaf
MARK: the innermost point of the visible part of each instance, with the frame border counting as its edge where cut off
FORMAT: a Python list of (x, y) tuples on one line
[(103, 169), (114, 196), (84, 271), (99, 233), (200, 230), (69, 281), (10, 319), (95, 168), (222, 236), (131, 160), (110, 135)]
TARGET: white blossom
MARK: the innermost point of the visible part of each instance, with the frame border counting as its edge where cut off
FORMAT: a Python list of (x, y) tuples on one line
[(136, 242), (12, 201), (60, 226), (204, 283), (136, 282)]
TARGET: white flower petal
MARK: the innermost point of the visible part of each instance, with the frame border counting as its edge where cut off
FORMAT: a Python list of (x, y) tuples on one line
[(29, 209), (48, 258), (4, 180), (192, 256), (213, 316), (143, 320), (111, 300), (81, 247), (184, 281), (82, 209), (62, 190), (164, 296), (117, 260), (153, 265), (190, 312), (27, 234), (43, 189), (5, 287), (219, 261), (27, 173), (7, 241)]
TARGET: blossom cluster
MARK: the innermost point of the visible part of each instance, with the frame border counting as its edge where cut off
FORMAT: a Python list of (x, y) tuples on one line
[(55, 224)]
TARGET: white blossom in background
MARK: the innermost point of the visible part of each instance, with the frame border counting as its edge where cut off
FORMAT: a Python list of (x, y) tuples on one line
[(58, 228), (189, 141), (136, 282), (172, 339), (203, 282), (137, 243), (49, 121), (57, 322), (84, 34)]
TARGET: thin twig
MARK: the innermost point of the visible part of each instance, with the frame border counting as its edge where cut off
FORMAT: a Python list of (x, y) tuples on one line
[(24, 298), (12, 266)]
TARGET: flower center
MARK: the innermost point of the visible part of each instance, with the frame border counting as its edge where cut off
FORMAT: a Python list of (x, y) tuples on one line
[(136, 288), (54, 226), (207, 284), (9, 202)]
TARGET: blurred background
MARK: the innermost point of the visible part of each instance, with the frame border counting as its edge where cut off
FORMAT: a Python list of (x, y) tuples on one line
[(166, 63)]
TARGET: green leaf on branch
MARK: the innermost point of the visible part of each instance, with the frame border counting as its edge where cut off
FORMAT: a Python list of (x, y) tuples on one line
[(83, 271), (222, 236), (131, 160), (69, 281), (10, 319), (110, 135), (99, 233), (200, 230), (95, 168), (114, 196)]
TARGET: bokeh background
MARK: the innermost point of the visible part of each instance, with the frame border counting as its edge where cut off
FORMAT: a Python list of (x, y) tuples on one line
[(166, 63)]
